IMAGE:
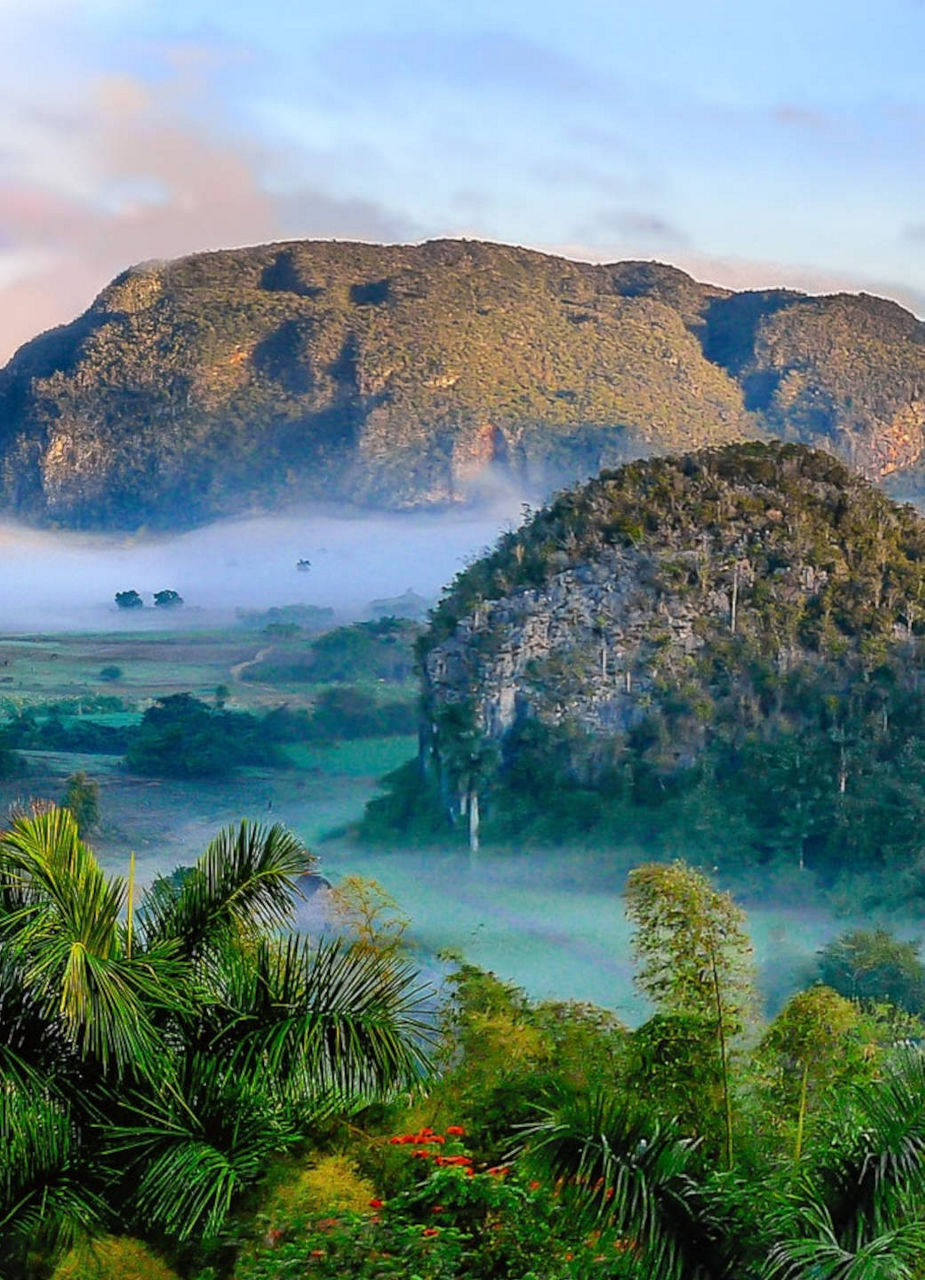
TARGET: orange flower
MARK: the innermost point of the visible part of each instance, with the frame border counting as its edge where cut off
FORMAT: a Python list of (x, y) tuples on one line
[(455, 1131), (534, 1185), (431, 1231)]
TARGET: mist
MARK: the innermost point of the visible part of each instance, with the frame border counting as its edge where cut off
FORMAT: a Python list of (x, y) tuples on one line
[(555, 923), (52, 581)]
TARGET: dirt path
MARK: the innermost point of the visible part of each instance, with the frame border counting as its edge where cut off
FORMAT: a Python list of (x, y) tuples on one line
[(239, 667)]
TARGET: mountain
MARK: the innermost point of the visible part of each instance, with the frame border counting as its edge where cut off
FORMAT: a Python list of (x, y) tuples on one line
[(402, 376), (723, 647)]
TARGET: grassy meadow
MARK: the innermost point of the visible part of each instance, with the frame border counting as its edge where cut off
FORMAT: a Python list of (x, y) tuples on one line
[(553, 922)]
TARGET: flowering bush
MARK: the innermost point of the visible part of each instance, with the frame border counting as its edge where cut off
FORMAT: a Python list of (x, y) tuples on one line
[(451, 1220)]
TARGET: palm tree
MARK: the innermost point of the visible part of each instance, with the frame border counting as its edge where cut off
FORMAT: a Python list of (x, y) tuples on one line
[(623, 1174), (853, 1211), (151, 1063)]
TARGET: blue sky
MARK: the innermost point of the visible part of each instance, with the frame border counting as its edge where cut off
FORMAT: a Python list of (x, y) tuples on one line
[(751, 145)]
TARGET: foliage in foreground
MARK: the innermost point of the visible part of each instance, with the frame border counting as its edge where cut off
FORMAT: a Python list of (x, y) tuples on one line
[(550, 1144), (152, 1063)]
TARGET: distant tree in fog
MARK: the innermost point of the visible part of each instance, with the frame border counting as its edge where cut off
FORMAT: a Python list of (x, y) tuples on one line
[(129, 600), (167, 599)]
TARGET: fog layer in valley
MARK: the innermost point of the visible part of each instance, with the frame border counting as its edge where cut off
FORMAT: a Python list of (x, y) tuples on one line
[(556, 925), (53, 581)]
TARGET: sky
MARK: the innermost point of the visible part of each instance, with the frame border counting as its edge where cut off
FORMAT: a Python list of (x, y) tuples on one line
[(752, 145)]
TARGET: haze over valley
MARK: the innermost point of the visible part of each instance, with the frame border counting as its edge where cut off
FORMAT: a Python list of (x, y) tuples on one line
[(63, 582), (462, 641)]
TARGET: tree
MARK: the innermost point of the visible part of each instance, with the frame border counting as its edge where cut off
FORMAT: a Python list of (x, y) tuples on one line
[(362, 909), (167, 599), (183, 737), (854, 1213), (82, 799), (696, 959), (153, 1060), (874, 965), (467, 758), (807, 1040), (129, 600), (632, 1182)]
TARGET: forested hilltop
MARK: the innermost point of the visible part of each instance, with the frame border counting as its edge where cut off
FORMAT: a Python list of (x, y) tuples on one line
[(397, 375), (720, 653)]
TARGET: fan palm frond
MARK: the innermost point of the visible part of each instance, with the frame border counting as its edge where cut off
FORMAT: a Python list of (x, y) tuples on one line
[(852, 1213), (875, 1158)]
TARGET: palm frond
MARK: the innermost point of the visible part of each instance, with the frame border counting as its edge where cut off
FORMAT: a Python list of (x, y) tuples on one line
[(852, 1213), (874, 1161), (64, 930), (622, 1171), (185, 1153), (45, 1178), (337, 1023), (245, 882), (892, 1255)]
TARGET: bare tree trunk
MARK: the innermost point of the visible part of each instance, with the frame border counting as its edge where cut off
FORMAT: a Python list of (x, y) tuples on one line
[(473, 821), (723, 1057)]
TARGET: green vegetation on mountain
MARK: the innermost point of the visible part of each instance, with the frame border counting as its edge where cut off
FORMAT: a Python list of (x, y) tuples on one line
[(720, 651), (394, 375)]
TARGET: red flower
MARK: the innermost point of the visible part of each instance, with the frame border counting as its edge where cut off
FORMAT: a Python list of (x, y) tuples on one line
[(534, 1185), (376, 1203), (316, 1253), (455, 1131), (431, 1231), (438, 1208), (420, 1155)]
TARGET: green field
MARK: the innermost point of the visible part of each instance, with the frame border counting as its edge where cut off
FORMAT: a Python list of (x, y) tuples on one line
[(553, 922)]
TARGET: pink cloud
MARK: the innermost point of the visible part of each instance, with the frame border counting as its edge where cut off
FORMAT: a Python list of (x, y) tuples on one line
[(147, 185)]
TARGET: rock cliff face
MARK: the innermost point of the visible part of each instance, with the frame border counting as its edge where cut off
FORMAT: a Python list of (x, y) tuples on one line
[(404, 375), (670, 602)]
